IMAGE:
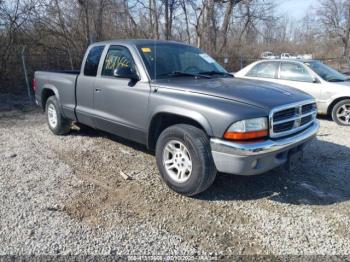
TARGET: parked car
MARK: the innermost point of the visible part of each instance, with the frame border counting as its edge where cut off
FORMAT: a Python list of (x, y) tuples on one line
[(288, 56), (268, 55), (181, 103), (330, 87), (305, 56)]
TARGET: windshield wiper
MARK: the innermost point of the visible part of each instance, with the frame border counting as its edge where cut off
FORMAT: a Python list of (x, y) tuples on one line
[(337, 80), (213, 72), (180, 73)]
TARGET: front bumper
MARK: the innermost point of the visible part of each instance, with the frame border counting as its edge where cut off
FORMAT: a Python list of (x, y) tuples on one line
[(258, 157)]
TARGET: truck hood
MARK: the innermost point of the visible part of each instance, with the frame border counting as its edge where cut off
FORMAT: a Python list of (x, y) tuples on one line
[(261, 94)]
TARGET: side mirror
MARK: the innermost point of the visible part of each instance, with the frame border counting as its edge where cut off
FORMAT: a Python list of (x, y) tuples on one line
[(125, 72), (315, 80)]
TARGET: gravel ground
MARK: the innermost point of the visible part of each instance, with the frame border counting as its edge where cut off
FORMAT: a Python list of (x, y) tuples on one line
[(65, 195)]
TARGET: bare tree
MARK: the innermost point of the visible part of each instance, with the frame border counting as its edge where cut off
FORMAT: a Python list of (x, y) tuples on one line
[(154, 19), (183, 4), (101, 6), (15, 15), (230, 4), (169, 9), (335, 16), (220, 27), (85, 6), (197, 21), (209, 26)]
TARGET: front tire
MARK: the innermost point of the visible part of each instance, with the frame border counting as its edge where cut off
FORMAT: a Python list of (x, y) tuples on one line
[(341, 113), (56, 122), (184, 159)]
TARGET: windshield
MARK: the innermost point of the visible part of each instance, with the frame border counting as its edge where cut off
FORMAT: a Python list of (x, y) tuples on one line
[(327, 73), (173, 60)]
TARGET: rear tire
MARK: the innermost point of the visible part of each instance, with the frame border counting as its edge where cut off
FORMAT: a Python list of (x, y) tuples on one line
[(341, 113), (56, 122), (184, 159)]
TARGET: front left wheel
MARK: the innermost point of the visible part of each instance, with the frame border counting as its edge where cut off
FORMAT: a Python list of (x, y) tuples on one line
[(184, 159)]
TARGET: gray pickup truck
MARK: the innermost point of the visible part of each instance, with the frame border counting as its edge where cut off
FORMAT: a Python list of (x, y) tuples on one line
[(182, 104)]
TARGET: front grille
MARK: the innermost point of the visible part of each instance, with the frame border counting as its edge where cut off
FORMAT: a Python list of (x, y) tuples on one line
[(308, 108), (283, 127), (284, 114), (291, 119), (305, 120)]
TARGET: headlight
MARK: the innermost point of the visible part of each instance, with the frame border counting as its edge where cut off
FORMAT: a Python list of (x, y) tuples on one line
[(247, 129)]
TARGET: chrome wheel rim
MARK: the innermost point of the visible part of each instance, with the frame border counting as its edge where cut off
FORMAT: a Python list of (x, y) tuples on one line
[(52, 115), (343, 114), (177, 161)]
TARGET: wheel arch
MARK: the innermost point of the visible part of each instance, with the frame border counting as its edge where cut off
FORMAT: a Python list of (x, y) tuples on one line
[(163, 119), (334, 102), (46, 92)]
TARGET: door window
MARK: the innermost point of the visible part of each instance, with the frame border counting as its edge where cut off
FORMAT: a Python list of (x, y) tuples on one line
[(92, 61), (264, 70), (294, 72), (117, 57)]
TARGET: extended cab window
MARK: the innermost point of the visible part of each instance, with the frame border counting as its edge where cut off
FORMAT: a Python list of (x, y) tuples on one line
[(117, 57), (294, 72), (265, 70), (92, 61)]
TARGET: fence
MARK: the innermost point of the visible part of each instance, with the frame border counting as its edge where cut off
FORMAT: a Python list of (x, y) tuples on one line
[(23, 64), (58, 60)]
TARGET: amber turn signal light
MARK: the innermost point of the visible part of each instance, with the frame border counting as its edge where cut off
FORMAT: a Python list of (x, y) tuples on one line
[(245, 135)]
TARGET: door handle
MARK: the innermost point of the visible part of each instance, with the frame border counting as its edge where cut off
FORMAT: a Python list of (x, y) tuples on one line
[(98, 90)]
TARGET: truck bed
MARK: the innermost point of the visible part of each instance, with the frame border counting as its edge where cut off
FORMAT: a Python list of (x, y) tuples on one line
[(63, 83)]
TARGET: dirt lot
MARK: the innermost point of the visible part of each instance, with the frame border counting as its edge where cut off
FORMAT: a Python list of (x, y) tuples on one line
[(65, 195)]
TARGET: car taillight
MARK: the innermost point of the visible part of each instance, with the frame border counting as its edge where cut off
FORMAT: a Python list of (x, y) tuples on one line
[(34, 84)]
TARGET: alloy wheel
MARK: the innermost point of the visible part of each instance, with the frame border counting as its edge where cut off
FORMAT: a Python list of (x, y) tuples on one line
[(177, 161)]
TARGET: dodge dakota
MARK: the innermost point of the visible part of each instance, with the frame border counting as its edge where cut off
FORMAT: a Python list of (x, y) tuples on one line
[(184, 106)]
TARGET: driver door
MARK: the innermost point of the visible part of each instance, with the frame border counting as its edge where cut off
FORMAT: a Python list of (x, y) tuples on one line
[(120, 103)]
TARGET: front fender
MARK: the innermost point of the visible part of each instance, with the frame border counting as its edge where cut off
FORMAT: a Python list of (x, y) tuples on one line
[(184, 112)]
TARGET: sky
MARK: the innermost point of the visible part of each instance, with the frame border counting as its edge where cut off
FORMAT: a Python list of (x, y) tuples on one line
[(295, 8)]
